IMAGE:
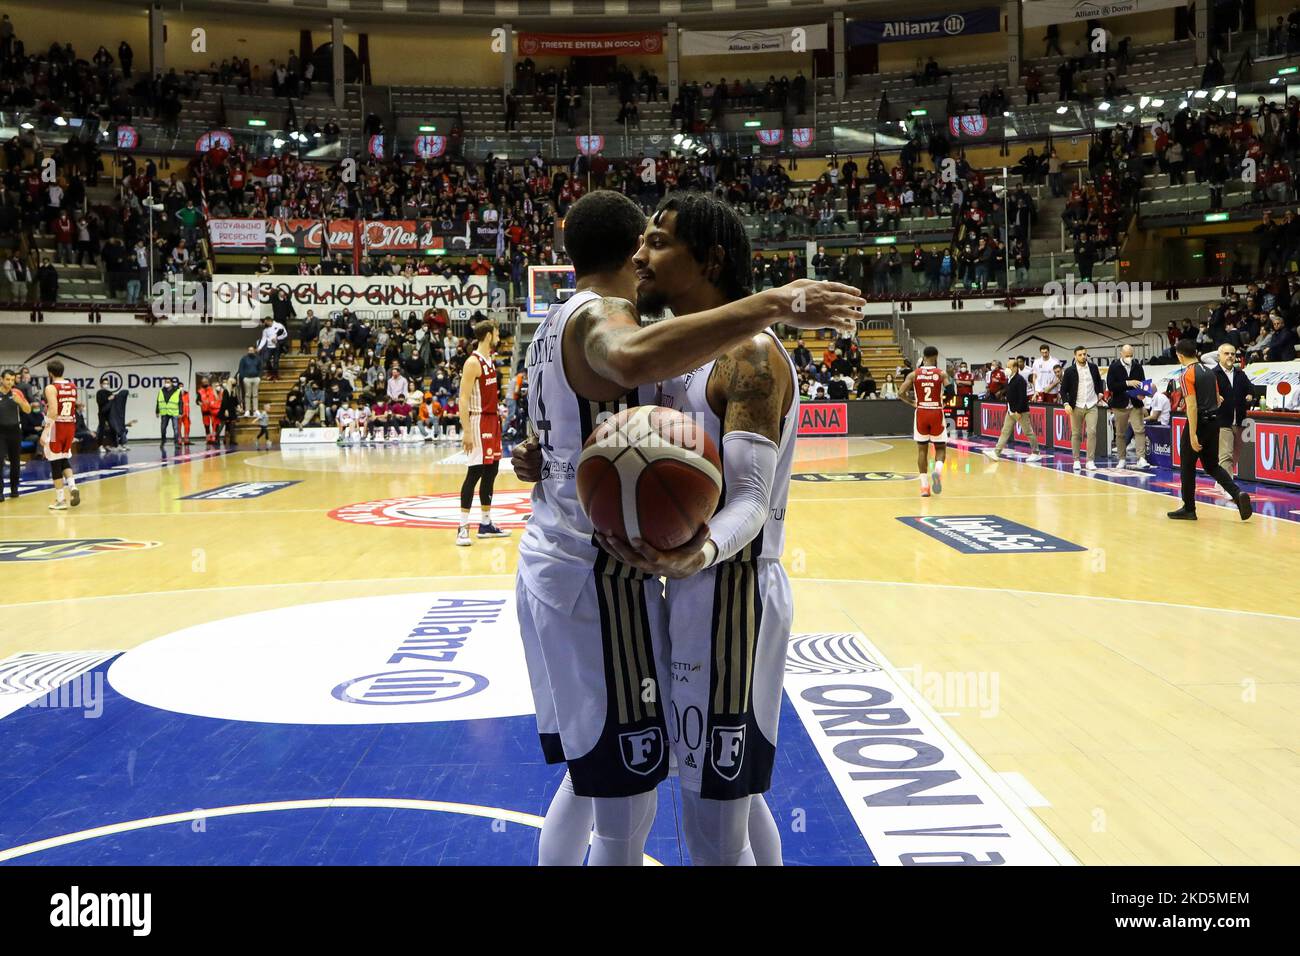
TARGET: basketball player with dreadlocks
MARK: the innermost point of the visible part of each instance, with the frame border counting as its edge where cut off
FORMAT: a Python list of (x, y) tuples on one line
[(480, 423)]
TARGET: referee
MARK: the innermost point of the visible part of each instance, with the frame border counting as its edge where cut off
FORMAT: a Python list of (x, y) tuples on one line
[(1200, 439)]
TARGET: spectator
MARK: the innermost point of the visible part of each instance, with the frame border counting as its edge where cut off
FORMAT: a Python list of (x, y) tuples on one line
[(1125, 375), (250, 381), (168, 409)]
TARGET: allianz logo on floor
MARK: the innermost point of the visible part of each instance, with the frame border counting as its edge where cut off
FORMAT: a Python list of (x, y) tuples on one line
[(238, 491), (988, 534)]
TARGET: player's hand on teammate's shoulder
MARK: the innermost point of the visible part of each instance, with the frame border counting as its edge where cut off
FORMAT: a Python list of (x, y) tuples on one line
[(526, 460), (680, 562), (817, 304)]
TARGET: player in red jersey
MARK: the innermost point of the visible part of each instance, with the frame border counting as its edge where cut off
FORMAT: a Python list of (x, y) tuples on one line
[(923, 390), (480, 423), (57, 435)]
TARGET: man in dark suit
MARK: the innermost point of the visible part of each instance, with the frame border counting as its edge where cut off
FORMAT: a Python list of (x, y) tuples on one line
[(1125, 410), (1081, 392), (1017, 399), (1281, 347), (1236, 397)]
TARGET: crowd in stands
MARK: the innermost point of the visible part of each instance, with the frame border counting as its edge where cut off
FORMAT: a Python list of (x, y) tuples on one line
[(701, 106), (1258, 145)]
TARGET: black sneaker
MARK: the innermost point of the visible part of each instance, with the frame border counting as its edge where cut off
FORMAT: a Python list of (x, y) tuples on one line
[(1183, 514), (1244, 506)]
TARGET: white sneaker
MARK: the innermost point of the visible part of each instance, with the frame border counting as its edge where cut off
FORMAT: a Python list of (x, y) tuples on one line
[(1077, 465), (462, 537), (1033, 458), (1143, 463), (1120, 464), (1091, 465), (993, 453), (59, 506)]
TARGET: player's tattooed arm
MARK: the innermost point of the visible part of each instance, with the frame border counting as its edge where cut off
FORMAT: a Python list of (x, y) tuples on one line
[(754, 388), (602, 330)]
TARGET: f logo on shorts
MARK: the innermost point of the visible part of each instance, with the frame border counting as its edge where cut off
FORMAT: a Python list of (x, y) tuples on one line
[(728, 750), (643, 750)]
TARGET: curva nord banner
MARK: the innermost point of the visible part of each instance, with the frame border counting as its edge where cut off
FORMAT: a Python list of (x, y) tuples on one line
[(249, 297), (380, 235), (590, 44)]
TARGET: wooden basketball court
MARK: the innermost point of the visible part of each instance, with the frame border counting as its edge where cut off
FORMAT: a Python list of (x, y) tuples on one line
[(1140, 694)]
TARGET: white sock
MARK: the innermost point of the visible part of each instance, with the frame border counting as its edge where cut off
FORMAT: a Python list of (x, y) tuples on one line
[(567, 829), (70, 481), (764, 836), (938, 467), (622, 825), (58, 494), (485, 515)]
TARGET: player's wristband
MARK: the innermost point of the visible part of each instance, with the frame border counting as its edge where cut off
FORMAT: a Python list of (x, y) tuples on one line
[(712, 559)]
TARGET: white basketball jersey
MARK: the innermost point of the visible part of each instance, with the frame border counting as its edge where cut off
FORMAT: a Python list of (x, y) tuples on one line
[(556, 551), (688, 393)]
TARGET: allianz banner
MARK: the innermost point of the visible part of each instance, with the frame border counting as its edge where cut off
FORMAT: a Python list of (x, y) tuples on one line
[(983, 20), (1038, 13), (786, 40)]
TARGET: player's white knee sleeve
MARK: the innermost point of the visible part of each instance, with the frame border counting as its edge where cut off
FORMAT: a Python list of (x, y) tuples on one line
[(622, 825), (567, 829), (717, 831), (764, 837)]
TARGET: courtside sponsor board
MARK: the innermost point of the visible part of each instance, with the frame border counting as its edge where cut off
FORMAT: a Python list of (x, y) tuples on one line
[(919, 795), (988, 534), (238, 490), (1277, 452), (993, 415), (824, 418)]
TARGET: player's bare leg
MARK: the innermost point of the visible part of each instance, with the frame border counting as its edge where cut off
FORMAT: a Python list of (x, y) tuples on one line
[(923, 466), (940, 456)]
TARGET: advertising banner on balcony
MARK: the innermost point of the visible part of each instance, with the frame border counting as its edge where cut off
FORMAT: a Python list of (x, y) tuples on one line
[(237, 233), (781, 40), (590, 44), (249, 297), (965, 23), (1037, 13)]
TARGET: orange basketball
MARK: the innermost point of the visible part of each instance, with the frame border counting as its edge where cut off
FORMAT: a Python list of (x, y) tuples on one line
[(650, 473)]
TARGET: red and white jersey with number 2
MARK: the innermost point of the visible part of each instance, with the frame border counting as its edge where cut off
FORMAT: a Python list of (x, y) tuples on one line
[(928, 383)]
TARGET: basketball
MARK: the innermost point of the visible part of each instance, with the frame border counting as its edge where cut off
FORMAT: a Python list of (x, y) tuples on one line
[(649, 473)]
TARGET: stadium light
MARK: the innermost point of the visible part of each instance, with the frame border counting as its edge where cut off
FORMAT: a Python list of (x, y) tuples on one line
[(1273, 82), (1006, 114), (277, 142), (1128, 109), (1103, 106), (1157, 103), (1143, 102), (60, 121), (1182, 105), (1062, 110), (677, 139), (26, 124), (1218, 95), (1201, 94), (1232, 94)]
